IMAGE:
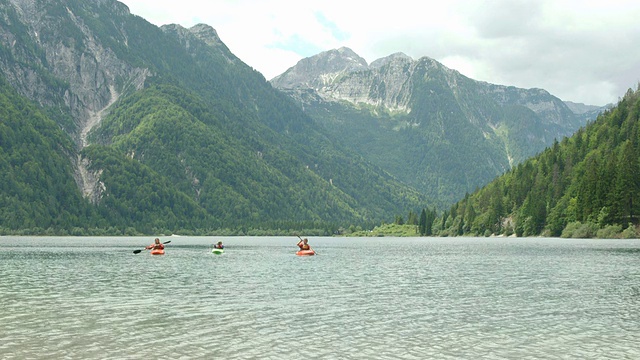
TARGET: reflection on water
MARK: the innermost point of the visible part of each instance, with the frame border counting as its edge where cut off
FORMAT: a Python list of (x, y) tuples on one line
[(379, 298)]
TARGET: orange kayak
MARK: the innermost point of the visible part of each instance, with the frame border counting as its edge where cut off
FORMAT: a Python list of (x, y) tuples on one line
[(157, 252), (305, 252)]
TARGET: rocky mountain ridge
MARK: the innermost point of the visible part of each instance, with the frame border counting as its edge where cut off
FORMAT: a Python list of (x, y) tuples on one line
[(421, 105), (342, 75)]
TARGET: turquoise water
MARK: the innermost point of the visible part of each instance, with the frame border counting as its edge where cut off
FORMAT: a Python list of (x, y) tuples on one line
[(362, 298)]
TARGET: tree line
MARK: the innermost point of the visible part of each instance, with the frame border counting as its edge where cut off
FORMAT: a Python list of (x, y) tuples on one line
[(586, 185)]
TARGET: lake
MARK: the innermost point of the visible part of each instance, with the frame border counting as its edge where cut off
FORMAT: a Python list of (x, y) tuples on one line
[(359, 298)]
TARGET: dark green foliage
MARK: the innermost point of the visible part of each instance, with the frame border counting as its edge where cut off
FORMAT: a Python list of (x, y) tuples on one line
[(138, 197), (207, 146), (412, 219), (238, 180), (425, 224), (459, 135), (422, 225), (590, 180), (36, 186), (419, 154)]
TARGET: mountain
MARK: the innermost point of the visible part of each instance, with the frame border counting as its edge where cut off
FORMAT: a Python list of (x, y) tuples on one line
[(587, 112), (579, 108), (428, 125), (583, 186), (37, 188), (163, 130)]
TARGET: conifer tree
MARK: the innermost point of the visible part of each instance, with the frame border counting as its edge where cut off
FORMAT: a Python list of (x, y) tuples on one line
[(626, 185), (423, 223)]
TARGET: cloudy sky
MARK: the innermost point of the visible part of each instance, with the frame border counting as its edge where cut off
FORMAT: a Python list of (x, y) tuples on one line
[(579, 50)]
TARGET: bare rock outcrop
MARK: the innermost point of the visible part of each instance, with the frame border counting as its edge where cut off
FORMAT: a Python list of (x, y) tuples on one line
[(64, 64)]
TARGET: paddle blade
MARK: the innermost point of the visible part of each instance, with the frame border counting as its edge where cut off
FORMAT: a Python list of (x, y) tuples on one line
[(166, 242), (137, 251)]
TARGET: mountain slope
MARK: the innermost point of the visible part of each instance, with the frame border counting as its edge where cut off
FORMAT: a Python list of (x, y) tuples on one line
[(37, 188), (428, 125), (173, 132), (584, 186)]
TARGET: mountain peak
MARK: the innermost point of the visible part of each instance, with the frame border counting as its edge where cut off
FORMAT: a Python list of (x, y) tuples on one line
[(346, 57), (323, 64), (396, 57), (203, 32), (207, 34)]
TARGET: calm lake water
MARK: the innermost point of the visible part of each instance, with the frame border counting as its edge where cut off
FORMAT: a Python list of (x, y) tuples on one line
[(359, 298)]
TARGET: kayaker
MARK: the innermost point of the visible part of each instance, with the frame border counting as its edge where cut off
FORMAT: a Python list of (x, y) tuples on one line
[(219, 245), (302, 244), (156, 246)]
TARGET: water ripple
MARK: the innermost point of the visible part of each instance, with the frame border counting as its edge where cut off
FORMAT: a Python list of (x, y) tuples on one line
[(358, 299)]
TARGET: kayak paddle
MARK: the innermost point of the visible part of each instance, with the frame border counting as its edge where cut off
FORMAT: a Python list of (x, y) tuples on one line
[(139, 251)]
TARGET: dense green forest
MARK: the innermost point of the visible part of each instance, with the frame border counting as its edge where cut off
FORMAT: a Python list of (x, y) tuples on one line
[(238, 181), (166, 167), (587, 185), (37, 190), (189, 140)]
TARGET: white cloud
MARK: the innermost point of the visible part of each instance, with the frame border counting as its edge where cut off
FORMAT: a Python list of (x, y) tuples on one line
[(583, 51)]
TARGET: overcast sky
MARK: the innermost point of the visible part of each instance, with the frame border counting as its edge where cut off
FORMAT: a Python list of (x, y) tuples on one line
[(579, 50)]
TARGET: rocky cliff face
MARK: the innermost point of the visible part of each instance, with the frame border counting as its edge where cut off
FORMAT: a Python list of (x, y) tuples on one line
[(454, 125), (322, 70), (53, 58), (390, 82), (207, 34), (63, 63), (550, 109), (343, 75), (201, 31)]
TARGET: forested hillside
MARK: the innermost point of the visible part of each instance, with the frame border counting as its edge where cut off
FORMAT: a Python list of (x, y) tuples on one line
[(584, 186), (37, 189), (241, 180), (429, 126), (163, 130)]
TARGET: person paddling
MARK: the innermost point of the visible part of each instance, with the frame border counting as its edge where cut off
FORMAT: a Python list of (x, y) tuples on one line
[(303, 244), (156, 246), (218, 245), (305, 248)]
